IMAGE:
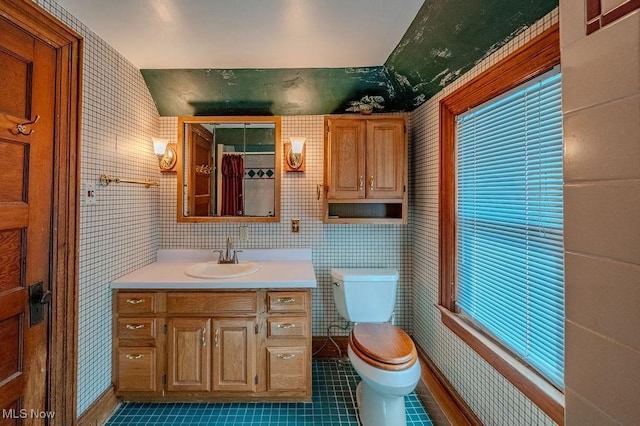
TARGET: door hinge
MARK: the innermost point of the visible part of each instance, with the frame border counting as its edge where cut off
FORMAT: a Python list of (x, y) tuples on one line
[(404, 188), (165, 329), (256, 380), (256, 328), (164, 379)]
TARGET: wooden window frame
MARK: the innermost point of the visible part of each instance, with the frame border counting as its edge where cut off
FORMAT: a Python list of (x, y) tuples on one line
[(538, 56)]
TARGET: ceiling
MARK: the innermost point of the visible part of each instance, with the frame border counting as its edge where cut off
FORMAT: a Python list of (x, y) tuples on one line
[(289, 57), (230, 34)]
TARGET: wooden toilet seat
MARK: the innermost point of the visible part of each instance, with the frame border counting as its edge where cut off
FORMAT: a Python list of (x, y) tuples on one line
[(383, 346)]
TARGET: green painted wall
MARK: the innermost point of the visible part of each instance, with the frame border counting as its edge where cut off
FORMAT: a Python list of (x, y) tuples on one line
[(446, 39)]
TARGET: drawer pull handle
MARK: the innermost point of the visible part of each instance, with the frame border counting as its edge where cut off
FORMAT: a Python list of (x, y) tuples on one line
[(286, 325), (134, 326), (285, 300), (286, 356), (136, 356), (215, 339), (204, 333), (135, 301)]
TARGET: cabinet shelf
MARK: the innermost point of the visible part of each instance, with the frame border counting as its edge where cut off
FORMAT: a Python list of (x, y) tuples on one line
[(364, 212)]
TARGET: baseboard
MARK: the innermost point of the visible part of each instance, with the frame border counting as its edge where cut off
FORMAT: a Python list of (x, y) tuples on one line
[(321, 347), (441, 400), (101, 409)]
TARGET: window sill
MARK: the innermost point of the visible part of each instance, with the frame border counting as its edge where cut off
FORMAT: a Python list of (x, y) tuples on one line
[(539, 391)]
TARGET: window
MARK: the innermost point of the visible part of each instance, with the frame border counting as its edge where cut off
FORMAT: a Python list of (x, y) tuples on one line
[(509, 264), (500, 219)]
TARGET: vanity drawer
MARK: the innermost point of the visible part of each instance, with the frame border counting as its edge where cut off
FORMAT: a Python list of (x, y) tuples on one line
[(136, 328), (287, 368), (287, 327), (136, 303), (211, 302), (287, 301), (136, 370)]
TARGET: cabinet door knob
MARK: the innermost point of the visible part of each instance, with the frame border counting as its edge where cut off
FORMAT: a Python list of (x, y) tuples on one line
[(215, 339), (134, 326), (136, 356), (370, 183), (361, 183), (135, 301), (204, 334)]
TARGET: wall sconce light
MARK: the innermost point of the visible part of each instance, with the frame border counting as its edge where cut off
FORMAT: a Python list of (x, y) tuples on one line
[(166, 153), (294, 154)]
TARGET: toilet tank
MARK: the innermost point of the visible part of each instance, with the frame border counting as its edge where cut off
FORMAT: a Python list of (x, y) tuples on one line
[(364, 295)]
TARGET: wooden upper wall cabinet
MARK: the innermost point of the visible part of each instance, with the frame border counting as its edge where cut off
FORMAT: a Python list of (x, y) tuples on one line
[(365, 173)]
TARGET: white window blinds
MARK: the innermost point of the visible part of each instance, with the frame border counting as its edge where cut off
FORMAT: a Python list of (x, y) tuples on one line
[(510, 274)]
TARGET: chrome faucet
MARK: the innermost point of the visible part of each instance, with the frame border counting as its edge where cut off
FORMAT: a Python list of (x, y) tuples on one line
[(226, 256)]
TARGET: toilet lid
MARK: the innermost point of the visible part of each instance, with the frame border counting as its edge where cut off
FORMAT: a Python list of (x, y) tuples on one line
[(384, 343)]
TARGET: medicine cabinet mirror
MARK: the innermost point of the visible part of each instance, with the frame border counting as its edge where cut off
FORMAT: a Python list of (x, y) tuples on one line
[(229, 169)]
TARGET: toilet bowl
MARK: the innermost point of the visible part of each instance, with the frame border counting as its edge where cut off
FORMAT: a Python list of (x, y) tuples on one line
[(386, 360), (383, 355)]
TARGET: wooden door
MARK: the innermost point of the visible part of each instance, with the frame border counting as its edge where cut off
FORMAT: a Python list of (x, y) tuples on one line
[(189, 354), (201, 172), (27, 91), (234, 357), (346, 159), (385, 159)]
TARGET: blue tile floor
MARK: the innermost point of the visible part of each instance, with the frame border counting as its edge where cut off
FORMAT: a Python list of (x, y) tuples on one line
[(334, 387)]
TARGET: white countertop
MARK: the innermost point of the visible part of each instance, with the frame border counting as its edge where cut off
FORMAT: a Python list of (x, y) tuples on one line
[(279, 268)]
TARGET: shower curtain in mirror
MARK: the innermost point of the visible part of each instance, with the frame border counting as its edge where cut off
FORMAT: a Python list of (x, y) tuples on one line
[(232, 176)]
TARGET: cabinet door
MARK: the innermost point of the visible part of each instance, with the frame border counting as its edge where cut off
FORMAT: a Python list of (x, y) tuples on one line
[(287, 368), (345, 149), (136, 369), (385, 159), (189, 354), (234, 357)]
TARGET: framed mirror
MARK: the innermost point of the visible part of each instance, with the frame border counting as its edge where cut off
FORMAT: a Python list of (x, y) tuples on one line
[(229, 169)]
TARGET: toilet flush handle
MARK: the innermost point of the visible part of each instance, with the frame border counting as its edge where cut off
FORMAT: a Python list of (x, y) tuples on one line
[(336, 283)]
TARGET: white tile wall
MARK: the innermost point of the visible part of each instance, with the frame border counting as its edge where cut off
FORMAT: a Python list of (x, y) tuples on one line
[(492, 398), (120, 232)]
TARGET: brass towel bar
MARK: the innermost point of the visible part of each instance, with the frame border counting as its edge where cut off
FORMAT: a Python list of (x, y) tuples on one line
[(105, 180)]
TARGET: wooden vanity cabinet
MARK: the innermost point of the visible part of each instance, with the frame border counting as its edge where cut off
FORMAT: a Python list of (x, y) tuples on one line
[(365, 175), (212, 345)]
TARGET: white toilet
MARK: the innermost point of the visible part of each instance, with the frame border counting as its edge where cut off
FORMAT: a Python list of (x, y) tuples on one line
[(383, 355)]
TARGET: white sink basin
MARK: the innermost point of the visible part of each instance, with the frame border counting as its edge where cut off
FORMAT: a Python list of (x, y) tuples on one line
[(221, 270)]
